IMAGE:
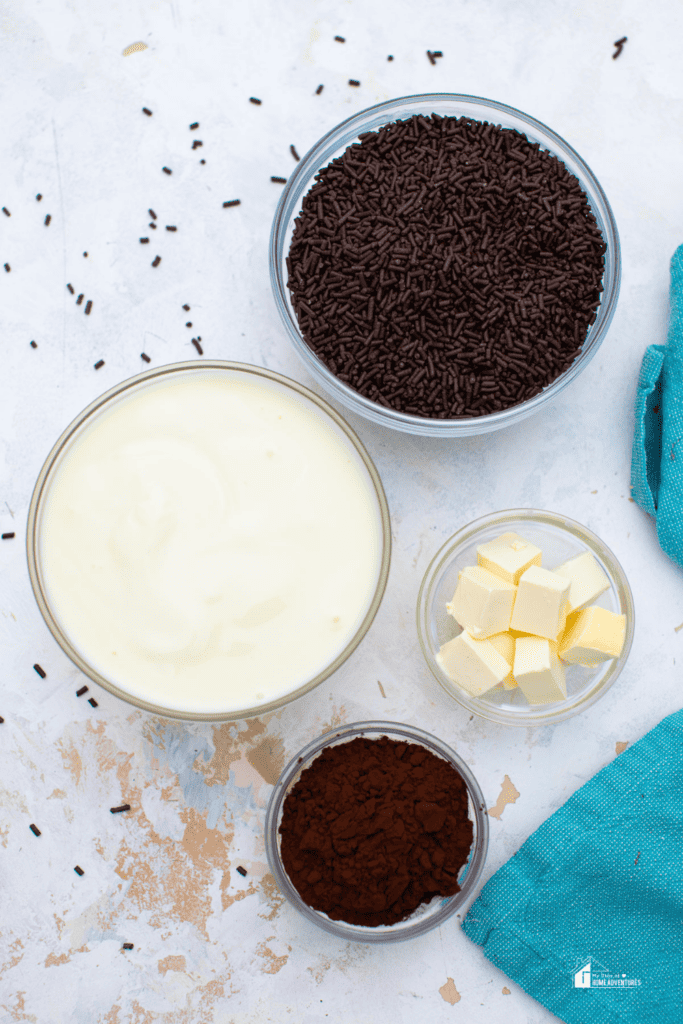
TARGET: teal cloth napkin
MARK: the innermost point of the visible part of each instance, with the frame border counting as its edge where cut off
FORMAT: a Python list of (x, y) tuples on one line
[(587, 917), (657, 459)]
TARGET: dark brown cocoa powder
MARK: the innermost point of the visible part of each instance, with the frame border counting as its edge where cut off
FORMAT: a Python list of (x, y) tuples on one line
[(373, 829)]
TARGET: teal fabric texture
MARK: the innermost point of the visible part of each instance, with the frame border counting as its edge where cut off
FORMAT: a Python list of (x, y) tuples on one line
[(657, 458), (587, 917)]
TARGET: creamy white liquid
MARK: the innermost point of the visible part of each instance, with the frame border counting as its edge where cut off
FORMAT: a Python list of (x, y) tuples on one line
[(210, 543)]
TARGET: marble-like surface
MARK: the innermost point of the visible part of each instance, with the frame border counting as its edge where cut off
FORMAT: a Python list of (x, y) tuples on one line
[(210, 945)]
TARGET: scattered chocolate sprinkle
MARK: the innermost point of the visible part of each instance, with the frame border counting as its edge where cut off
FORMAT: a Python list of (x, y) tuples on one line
[(232, 202), (143, 355), (152, 214), (99, 364), (117, 810), (144, 241), (85, 254), (71, 289), (38, 197), (128, 945), (189, 323), (354, 81), (197, 143), (390, 57), (41, 672), (156, 261), (83, 689), (319, 90), (292, 150), (461, 287), (35, 830), (171, 227), (8, 536), (167, 170), (620, 46), (278, 181), (145, 110), (202, 161), (92, 702), (252, 99), (242, 871), (152, 225), (194, 125), (80, 299), (339, 39), (48, 218), (186, 307), (88, 307), (1, 720), (6, 211), (196, 344), (433, 54), (34, 344), (7, 267), (79, 871), (437, 53)]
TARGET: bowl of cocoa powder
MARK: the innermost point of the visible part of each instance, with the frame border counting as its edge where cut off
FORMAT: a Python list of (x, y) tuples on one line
[(443, 264), (377, 832)]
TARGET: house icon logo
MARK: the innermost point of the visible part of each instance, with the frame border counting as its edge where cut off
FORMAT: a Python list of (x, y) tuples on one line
[(582, 977)]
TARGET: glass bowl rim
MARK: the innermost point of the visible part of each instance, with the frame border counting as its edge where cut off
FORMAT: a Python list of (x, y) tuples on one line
[(565, 524), (412, 734), (139, 382), (311, 163)]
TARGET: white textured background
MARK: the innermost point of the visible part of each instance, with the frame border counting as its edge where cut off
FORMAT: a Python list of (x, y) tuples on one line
[(209, 944)]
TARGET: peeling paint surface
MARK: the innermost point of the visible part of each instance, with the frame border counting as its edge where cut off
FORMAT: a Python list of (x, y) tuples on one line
[(209, 944)]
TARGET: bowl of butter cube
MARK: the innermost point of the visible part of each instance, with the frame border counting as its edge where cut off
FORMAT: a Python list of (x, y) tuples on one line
[(525, 617)]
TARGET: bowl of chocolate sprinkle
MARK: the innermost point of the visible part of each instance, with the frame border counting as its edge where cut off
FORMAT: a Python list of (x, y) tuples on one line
[(444, 264)]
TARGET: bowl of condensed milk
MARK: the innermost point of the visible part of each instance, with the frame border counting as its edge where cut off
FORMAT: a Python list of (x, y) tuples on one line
[(208, 540)]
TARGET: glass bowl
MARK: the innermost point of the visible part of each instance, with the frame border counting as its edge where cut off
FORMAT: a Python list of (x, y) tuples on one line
[(559, 538), (427, 916), (333, 145), (187, 704)]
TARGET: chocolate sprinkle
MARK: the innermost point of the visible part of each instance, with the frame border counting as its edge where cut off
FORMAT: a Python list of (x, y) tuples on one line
[(152, 214), (144, 241), (92, 702), (620, 46), (253, 99), (202, 161), (354, 81), (156, 261), (339, 39), (38, 197), (242, 871), (194, 125), (232, 202), (99, 364), (48, 218), (83, 689), (444, 267), (189, 323), (71, 289), (292, 150), (186, 308), (128, 945), (143, 355), (80, 298), (171, 227), (167, 170), (278, 181), (319, 90), (8, 536), (145, 110), (88, 307), (6, 211), (197, 143), (152, 225), (117, 810), (7, 267), (390, 57), (35, 830), (79, 871), (1, 720), (41, 671), (33, 344), (199, 348)]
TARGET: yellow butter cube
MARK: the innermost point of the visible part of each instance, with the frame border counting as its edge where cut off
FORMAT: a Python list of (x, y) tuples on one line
[(504, 643), (538, 670), (508, 556), (587, 581), (482, 603), (541, 603), (592, 635), (475, 665)]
